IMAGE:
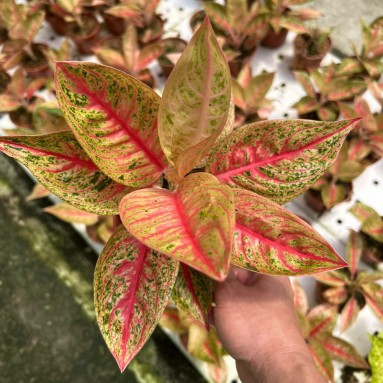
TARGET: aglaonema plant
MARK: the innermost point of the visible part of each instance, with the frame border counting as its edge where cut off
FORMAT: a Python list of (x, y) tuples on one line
[(324, 91), (249, 96), (351, 289), (174, 240), (317, 325)]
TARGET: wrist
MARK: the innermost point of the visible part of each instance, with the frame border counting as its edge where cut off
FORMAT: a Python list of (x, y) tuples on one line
[(283, 365)]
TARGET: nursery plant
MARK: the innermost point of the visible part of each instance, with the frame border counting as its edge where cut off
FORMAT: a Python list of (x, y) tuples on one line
[(310, 48), (241, 26), (249, 95), (370, 234), (366, 140), (133, 154), (367, 63), (351, 288), (22, 24), (323, 91), (281, 17), (317, 326), (141, 13), (127, 55), (199, 341)]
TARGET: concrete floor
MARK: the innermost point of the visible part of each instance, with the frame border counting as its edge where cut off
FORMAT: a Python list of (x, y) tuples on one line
[(342, 18)]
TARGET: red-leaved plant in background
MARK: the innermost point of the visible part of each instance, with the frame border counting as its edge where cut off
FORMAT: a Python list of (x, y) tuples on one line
[(352, 288), (317, 325), (174, 240)]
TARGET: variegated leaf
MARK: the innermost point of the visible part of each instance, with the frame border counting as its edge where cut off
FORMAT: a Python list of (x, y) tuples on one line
[(354, 251), (349, 313), (71, 214), (322, 319), (333, 278), (271, 240), (335, 295), (373, 293), (278, 159), (363, 212), (114, 118), (132, 285), (171, 320), (193, 293), (62, 166), (204, 344), (300, 298), (218, 372), (237, 12), (257, 89), (344, 88), (332, 194), (322, 360), (306, 83), (327, 113), (374, 228), (195, 103), (366, 276), (306, 104), (217, 14), (194, 224), (39, 191), (343, 351)]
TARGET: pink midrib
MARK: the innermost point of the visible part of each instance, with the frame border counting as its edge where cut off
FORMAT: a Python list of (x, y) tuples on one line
[(86, 164), (319, 326), (190, 286), (112, 115), (280, 247), (189, 233), (271, 160), (128, 312)]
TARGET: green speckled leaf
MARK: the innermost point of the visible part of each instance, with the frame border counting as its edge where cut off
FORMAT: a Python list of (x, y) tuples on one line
[(375, 357), (271, 240), (194, 224), (278, 159), (114, 118), (342, 351), (322, 359), (195, 103), (132, 285), (193, 293), (62, 166)]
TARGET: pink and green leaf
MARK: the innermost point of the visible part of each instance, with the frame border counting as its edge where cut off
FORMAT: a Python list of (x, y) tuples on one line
[(354, 251), (132, 286), (278, 159), (306, 83), (204, 344), (193, 294), (171, 320), (257, 89), (71, 214), (271, 240), (62, 166), (217, 13), (333, 278), (363, 212), (342, 351), (335, 295), (322, 319), (114, 118), (194, 224), (349, 313), (195, 102), (373, 293), (322, 359), (332, 194), (38, 191), (306, 104)]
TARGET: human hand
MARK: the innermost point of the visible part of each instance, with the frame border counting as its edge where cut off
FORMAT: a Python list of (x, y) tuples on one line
[(256, 321)]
